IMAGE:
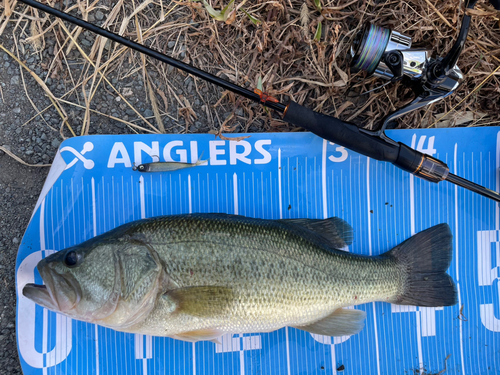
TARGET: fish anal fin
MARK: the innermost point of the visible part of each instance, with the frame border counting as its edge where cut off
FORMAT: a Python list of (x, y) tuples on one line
[(201, 301), (209, 334), (342, 322)]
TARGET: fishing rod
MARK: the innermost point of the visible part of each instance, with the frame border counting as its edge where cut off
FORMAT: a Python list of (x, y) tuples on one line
[(376, 50)]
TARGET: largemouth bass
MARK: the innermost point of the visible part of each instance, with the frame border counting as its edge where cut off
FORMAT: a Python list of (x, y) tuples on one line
[(197, 277)]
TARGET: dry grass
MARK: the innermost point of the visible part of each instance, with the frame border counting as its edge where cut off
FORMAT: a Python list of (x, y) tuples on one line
[(270, 40)]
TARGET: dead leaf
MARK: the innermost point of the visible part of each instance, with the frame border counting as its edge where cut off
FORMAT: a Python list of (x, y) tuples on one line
[(489, 11), (458, 118), (236, 139), (154, 104), (341, 73), (127, 91), (461, 316), (187, 112), (164, 98), (343, 107), (231, 18)]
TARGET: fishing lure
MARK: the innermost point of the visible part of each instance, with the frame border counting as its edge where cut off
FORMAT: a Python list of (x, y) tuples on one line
[(168, 166)]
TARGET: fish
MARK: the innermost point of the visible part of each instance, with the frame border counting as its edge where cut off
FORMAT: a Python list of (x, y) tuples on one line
[(159, 166), (199, 276)]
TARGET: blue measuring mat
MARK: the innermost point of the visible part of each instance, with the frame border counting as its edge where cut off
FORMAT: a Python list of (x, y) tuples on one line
[(92, 188)]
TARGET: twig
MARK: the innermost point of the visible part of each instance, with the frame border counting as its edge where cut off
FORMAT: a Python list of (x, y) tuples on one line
[(107, 81), (472, 92), (26, 89), (21, 160), (439, 14), (305, 81), (51, 96), (131, 125)]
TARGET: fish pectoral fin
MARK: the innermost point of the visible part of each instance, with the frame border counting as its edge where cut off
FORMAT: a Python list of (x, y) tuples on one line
[(343, 322), (200, 335), (335, 231), (201, 301)]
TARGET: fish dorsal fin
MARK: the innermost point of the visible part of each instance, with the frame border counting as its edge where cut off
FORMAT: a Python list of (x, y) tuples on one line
[(343, 322), (334, 230), (201, 301), (209, 334)]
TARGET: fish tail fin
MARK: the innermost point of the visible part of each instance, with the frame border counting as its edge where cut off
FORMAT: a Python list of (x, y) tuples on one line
[(426, 256)]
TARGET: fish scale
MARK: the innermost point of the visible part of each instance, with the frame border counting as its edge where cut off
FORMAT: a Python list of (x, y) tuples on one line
[(196, 277), (280, 277)]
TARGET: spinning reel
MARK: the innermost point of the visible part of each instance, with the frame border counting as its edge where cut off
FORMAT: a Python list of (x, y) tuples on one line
[(387, 54)]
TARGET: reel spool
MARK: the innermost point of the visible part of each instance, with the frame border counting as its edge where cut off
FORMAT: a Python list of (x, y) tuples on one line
[(387, 54)]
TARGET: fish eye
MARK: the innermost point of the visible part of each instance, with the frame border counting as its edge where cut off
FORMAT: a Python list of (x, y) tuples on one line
[(72, 259), (141, 167)]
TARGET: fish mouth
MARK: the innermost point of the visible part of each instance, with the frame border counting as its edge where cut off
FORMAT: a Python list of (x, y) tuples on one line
[(40, 295), (60, 293)]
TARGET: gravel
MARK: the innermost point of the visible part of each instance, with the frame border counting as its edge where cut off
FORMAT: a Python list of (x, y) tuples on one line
[(19, 189), (36, 139), (99, 15)]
